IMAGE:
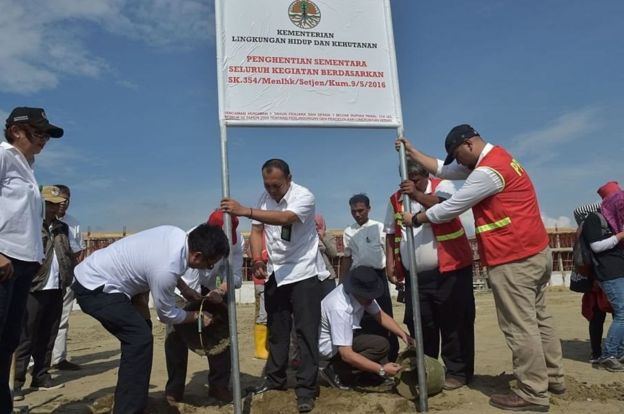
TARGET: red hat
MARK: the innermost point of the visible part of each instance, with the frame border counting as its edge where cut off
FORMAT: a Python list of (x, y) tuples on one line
[(216, 219), (608, 189)]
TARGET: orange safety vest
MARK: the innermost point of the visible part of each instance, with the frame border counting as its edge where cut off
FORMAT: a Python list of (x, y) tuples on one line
[(508, 224), (453, 250)]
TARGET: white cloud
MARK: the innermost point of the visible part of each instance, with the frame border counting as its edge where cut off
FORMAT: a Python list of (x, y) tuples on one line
[(541, 145), (42, 42), (560, 222)]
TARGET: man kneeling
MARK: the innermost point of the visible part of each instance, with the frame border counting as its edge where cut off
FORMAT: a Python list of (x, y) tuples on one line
[(339, 341)]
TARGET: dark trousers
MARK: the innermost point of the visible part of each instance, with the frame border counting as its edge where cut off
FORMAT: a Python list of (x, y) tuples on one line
[(39, 329), (370, 325), (176, 356), (13, 296), (119, 317), (373, 347), (596, 326), (447, 309), (300, 301)]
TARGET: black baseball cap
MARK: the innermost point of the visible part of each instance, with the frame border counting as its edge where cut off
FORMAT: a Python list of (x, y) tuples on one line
[(35, 117), (363, 282), (455, 138)]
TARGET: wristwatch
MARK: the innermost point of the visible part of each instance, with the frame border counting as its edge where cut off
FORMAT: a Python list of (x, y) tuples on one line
[(415, 222), (381, 372)]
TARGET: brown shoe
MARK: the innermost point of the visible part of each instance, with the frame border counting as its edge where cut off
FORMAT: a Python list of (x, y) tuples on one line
[(513, 402), (453, 383), (221, 393)]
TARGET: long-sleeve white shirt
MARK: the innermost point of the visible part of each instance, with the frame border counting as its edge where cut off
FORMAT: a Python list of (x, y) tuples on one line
[(482, 182), (21, 212), (152, 260)]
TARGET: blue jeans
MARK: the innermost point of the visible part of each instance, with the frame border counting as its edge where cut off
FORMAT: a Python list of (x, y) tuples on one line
[(13, 295), (614, 343)]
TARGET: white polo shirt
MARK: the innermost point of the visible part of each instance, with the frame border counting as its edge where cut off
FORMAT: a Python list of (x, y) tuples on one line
[(196, 278), (152, 260), (425, 244), (341, 313), (76, 242), (21, 214), (366, 244), (292, 254)]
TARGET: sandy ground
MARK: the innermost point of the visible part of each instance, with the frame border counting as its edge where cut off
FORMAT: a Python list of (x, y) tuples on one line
[(90, 390)]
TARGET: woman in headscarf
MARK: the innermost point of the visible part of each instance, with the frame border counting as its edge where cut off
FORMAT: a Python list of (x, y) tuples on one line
[(609, 271)]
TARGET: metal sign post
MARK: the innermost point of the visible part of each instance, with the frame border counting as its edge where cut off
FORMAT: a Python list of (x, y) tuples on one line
[(416, 318)]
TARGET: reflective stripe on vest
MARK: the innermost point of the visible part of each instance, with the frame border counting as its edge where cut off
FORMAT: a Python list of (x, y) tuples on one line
[(493, 226), (450, 236)]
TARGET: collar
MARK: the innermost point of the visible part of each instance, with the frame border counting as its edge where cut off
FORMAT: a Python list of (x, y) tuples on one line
[(486, 150), (13, 149)]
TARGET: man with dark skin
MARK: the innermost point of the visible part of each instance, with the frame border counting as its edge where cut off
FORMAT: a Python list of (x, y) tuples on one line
[(285, 216), (444, 270)]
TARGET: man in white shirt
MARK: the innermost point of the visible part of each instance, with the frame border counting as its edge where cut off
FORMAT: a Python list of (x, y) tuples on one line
[(364, 245), (285, 215), (189, 287), (341, 340), (444, 270), (514, 245), (152, 260), (77, 244)]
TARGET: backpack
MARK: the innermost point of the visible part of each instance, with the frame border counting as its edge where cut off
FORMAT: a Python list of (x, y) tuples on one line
[(583, 259)]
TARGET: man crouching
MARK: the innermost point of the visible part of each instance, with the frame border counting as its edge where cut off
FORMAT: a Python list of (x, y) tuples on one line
[(339, 341)]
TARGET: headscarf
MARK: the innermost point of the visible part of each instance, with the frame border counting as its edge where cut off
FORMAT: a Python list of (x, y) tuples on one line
[(216, 219), (612, 207)]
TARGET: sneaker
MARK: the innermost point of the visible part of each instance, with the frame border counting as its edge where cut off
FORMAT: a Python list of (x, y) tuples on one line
[(595, 359), (611, 364), (66, 365), (330, 377), (45, 385), (557, 388)]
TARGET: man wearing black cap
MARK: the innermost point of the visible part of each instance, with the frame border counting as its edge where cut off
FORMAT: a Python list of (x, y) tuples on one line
[(26, 132), (342, 311), (513, 244)]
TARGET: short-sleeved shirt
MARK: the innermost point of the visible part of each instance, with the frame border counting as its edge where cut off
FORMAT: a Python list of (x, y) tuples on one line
[(152, 260), (292, 249), (425, 244), (611, 261), (341, 313), (76, 242), (365, 244)]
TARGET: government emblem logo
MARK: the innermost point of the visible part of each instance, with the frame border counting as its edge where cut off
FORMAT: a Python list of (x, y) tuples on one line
[(304, 14)]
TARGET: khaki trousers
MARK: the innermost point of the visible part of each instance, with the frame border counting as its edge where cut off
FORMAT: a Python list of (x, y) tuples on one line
[(518, 289)]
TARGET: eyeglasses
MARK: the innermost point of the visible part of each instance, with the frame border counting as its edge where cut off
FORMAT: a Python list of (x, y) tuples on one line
[(34, 133)]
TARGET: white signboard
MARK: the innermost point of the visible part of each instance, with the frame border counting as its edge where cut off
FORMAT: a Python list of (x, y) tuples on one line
[(319, 63)]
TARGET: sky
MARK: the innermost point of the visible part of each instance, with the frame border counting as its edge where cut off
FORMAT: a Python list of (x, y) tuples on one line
[(134, 85)]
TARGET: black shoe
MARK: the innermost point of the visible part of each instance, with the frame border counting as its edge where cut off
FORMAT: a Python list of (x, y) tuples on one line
[(331, 378), (45, 384), (305, 404), (264, 387), (66, 365)]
